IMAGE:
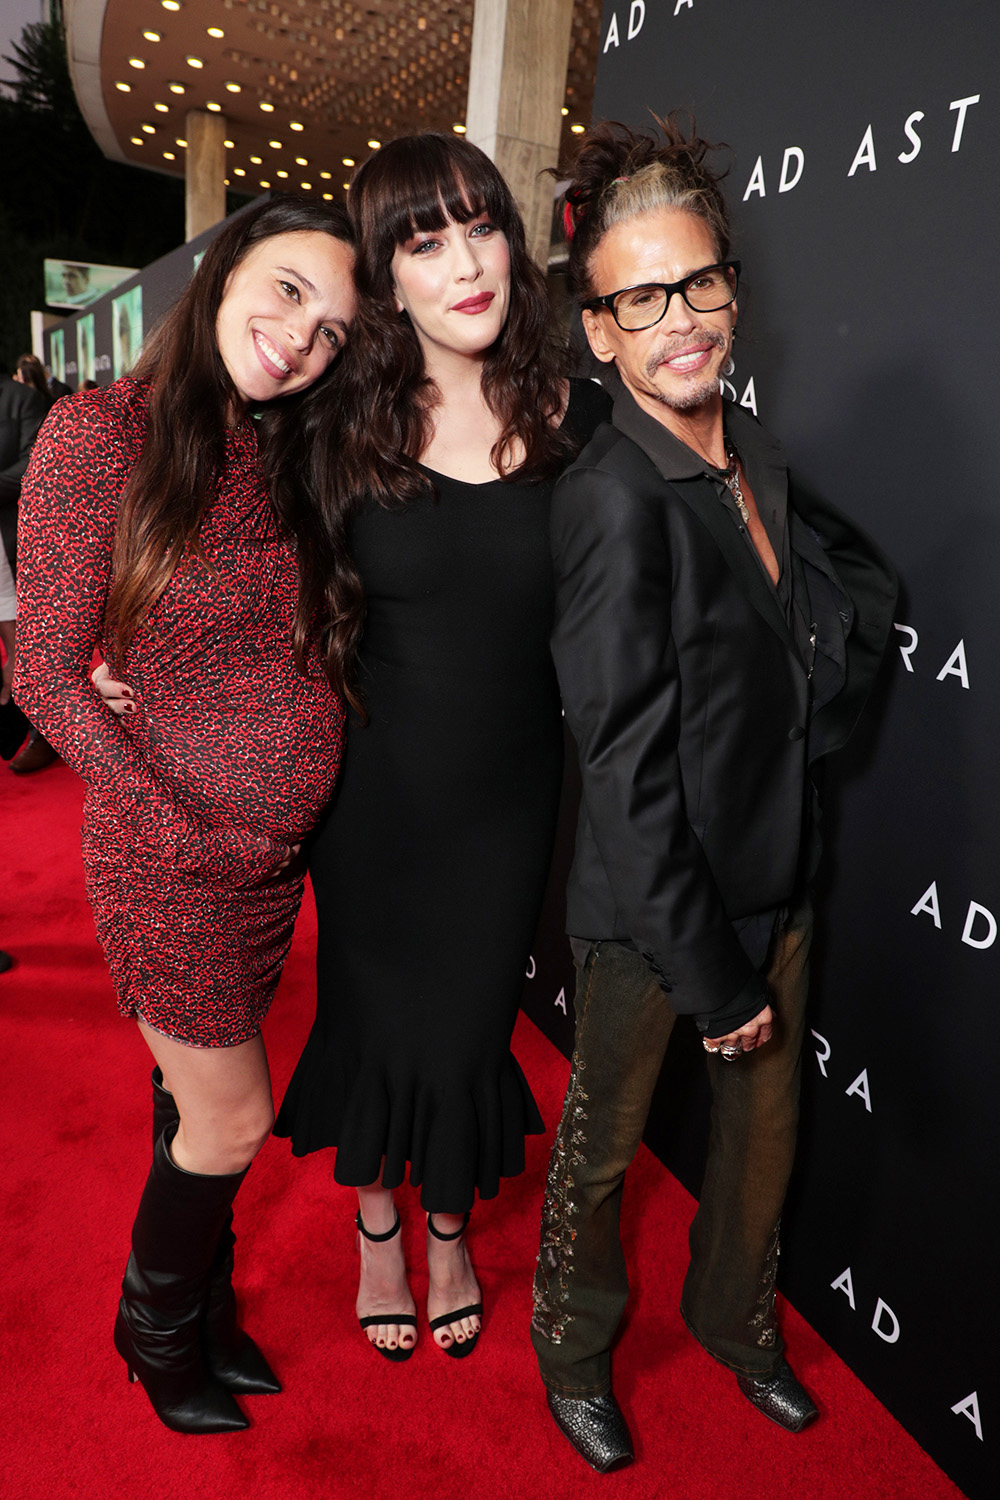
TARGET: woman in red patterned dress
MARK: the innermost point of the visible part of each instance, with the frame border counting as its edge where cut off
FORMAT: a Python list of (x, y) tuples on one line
[(156, 524)]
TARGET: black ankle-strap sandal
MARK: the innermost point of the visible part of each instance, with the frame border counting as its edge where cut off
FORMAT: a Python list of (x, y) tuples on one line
[(455, 1350), (407, 1320)]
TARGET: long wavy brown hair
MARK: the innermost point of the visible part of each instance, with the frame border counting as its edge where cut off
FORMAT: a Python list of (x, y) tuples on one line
[(369, 444), (167, 494)]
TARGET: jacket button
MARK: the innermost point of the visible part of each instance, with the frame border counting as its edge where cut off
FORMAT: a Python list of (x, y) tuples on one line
[(796, 732)]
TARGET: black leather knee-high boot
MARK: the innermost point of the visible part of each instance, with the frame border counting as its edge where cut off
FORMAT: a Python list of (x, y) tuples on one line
[(230, 1354), (158, 1331)]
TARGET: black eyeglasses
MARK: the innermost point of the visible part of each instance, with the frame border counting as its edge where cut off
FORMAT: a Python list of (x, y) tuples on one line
[(638, 307)]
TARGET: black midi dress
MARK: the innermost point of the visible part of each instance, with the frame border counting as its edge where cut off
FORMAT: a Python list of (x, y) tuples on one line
[(430, 867)]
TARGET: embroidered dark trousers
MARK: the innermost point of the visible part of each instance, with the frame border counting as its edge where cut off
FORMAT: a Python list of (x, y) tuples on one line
[(623, 1026)]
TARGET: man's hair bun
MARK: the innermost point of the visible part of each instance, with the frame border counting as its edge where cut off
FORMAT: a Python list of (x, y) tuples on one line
[(620, 173)]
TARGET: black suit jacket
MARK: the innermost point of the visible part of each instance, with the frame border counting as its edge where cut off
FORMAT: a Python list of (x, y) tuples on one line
[(694, 712), (22, 411)]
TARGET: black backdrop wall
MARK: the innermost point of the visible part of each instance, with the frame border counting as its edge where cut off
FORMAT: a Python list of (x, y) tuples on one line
[(865, 139)]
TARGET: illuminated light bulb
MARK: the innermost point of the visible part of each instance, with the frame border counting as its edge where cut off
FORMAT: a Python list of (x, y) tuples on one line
[(256, 161), (215, 108), (136, 62), (126, 88), (194, 62), (169, 156), (264, 183), (152, 36), (164, 109), (176, 88), (279, 173), (266, 107), (234, 88), (307, 186), (578, 129), (301, 161), (295, 125), (137, 140), (348, 161), (239, 172), (215, 31), (149, 129), (179, 142), (229, 145), (458, 129)]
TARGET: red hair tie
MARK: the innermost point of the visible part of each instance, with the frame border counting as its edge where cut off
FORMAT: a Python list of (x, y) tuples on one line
[(569, 219)]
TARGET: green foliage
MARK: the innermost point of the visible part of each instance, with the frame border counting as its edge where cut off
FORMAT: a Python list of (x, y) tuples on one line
[(59, 195)]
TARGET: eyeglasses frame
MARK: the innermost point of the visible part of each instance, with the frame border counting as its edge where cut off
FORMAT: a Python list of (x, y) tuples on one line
[(593, 304)]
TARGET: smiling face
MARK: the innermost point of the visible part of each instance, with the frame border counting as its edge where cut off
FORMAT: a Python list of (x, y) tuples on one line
[(454, 285), (676, 365), (285, 313)]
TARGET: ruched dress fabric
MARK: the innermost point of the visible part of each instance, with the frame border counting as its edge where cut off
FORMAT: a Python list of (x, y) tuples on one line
[(430, 868), (231, 754)]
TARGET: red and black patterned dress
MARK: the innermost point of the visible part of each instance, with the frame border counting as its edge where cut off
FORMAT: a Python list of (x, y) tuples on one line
[(231, 753)]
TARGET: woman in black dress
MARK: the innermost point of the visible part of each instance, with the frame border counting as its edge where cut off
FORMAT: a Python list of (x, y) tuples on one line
[(430, 868)]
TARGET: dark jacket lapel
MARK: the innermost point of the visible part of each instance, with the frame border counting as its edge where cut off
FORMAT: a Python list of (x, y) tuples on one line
[(699, 495)]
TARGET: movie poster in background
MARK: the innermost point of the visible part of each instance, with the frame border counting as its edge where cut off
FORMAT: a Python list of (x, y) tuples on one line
[(864, 204), (57, 354), (76, 283), (85, 349), (126, 330)]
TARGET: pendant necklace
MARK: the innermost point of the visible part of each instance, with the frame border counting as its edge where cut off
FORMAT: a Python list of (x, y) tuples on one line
[(731, 479)]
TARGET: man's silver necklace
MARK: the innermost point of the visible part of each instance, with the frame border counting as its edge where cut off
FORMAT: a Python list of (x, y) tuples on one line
[(731, 479)]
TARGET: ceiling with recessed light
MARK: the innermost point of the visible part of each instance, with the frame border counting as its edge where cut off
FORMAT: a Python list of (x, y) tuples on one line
[(306, 87)]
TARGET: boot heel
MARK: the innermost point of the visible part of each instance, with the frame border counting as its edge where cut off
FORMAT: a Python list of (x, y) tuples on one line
[(231, 1355), (158, 1330)]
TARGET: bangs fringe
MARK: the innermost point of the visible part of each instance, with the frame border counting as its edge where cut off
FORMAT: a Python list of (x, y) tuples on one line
[(433, 181)]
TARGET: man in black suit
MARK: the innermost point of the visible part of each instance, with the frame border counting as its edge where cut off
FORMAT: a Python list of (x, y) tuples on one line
[(716, 633), (22, 411), (56, 386)]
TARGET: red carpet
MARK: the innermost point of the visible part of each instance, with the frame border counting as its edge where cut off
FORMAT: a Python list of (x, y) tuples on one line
[(75, 1126)]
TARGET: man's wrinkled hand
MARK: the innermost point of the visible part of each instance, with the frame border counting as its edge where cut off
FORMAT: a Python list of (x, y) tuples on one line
[(754, 1034)]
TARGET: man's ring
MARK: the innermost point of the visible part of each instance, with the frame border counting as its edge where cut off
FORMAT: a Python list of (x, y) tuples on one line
[(708, 1046), (731, 1053)]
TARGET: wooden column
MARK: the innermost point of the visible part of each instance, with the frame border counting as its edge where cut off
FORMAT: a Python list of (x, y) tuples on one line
[(517, 83), (205, 171)]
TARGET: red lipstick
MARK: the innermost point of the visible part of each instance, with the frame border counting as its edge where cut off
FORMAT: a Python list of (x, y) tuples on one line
[(477, 304)]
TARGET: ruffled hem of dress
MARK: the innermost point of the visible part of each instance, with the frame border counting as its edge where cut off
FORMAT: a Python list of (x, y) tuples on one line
[(456, 1145)]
